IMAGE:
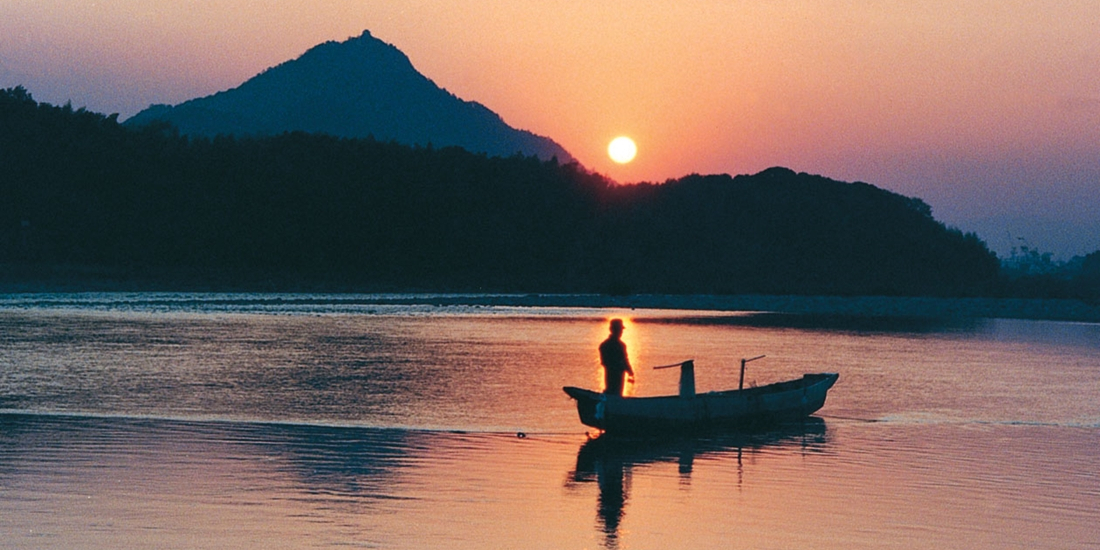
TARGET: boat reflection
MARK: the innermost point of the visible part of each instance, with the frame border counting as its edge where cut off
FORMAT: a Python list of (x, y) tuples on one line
[(608, 461)]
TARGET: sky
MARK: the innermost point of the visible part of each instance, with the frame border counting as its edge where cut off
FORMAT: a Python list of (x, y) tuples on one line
[(989, 111)]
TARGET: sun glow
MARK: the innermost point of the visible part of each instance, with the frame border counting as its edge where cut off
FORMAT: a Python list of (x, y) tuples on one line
[(622, 150)]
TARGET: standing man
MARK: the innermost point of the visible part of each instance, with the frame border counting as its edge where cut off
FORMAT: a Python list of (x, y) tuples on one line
[(614, 360)]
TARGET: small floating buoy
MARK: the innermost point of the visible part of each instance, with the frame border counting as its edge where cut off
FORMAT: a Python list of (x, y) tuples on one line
[(521, 435)]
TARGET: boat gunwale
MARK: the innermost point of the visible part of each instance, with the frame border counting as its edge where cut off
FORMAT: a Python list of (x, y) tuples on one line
[(798, 384)]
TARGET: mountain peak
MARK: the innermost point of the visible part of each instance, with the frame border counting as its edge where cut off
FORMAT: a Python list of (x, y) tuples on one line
[(356, 88)]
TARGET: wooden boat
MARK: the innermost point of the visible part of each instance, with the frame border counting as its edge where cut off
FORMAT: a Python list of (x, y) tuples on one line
[(733, 409)]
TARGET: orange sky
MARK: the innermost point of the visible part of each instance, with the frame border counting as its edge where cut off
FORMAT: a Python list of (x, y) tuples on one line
[(988, 110)]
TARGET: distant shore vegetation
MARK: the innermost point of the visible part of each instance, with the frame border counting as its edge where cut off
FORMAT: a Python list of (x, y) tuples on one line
[(83, 198)]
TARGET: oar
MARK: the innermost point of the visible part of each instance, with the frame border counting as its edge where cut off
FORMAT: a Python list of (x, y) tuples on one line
[(670, 366), (687, 376)]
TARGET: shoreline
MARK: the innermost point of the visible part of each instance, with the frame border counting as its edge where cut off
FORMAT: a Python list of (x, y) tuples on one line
[(865, 306), (26, 279), (1067, 310)]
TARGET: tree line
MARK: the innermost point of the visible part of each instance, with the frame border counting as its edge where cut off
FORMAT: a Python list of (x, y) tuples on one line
[(315, 211)]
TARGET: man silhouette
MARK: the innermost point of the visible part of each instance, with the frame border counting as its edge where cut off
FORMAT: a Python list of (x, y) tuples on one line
[(614, 360)]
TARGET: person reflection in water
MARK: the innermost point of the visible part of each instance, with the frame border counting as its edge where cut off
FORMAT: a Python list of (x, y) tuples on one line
[(614, 360)]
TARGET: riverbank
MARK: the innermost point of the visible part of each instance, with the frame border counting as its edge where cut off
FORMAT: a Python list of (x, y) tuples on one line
[(875, 306), (24, 279), (869, 306)]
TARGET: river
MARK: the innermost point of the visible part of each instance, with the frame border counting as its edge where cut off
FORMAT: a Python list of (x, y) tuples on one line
[(319, 421)]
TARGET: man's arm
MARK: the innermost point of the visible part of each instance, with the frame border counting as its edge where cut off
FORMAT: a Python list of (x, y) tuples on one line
[(626, 361)]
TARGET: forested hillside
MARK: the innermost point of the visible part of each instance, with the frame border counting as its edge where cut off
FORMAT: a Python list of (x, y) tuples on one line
[(77, 188)]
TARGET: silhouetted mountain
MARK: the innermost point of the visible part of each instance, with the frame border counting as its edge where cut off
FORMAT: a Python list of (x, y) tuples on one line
[(77, 188), (359, 88)]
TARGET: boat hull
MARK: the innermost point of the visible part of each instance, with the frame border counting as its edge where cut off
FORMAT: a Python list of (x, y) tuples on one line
[(735, 409)]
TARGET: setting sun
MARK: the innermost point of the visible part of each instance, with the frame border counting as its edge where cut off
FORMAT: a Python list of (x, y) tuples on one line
[(622, 150)]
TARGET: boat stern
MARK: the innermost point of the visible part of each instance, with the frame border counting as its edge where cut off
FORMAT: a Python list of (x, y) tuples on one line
[(816, 388)]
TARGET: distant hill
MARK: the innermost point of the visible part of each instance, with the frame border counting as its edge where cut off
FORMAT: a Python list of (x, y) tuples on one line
[(359, 88), (313, 211)]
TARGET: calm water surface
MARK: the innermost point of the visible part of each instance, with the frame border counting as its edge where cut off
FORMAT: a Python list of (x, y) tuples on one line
[(262, 421)]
